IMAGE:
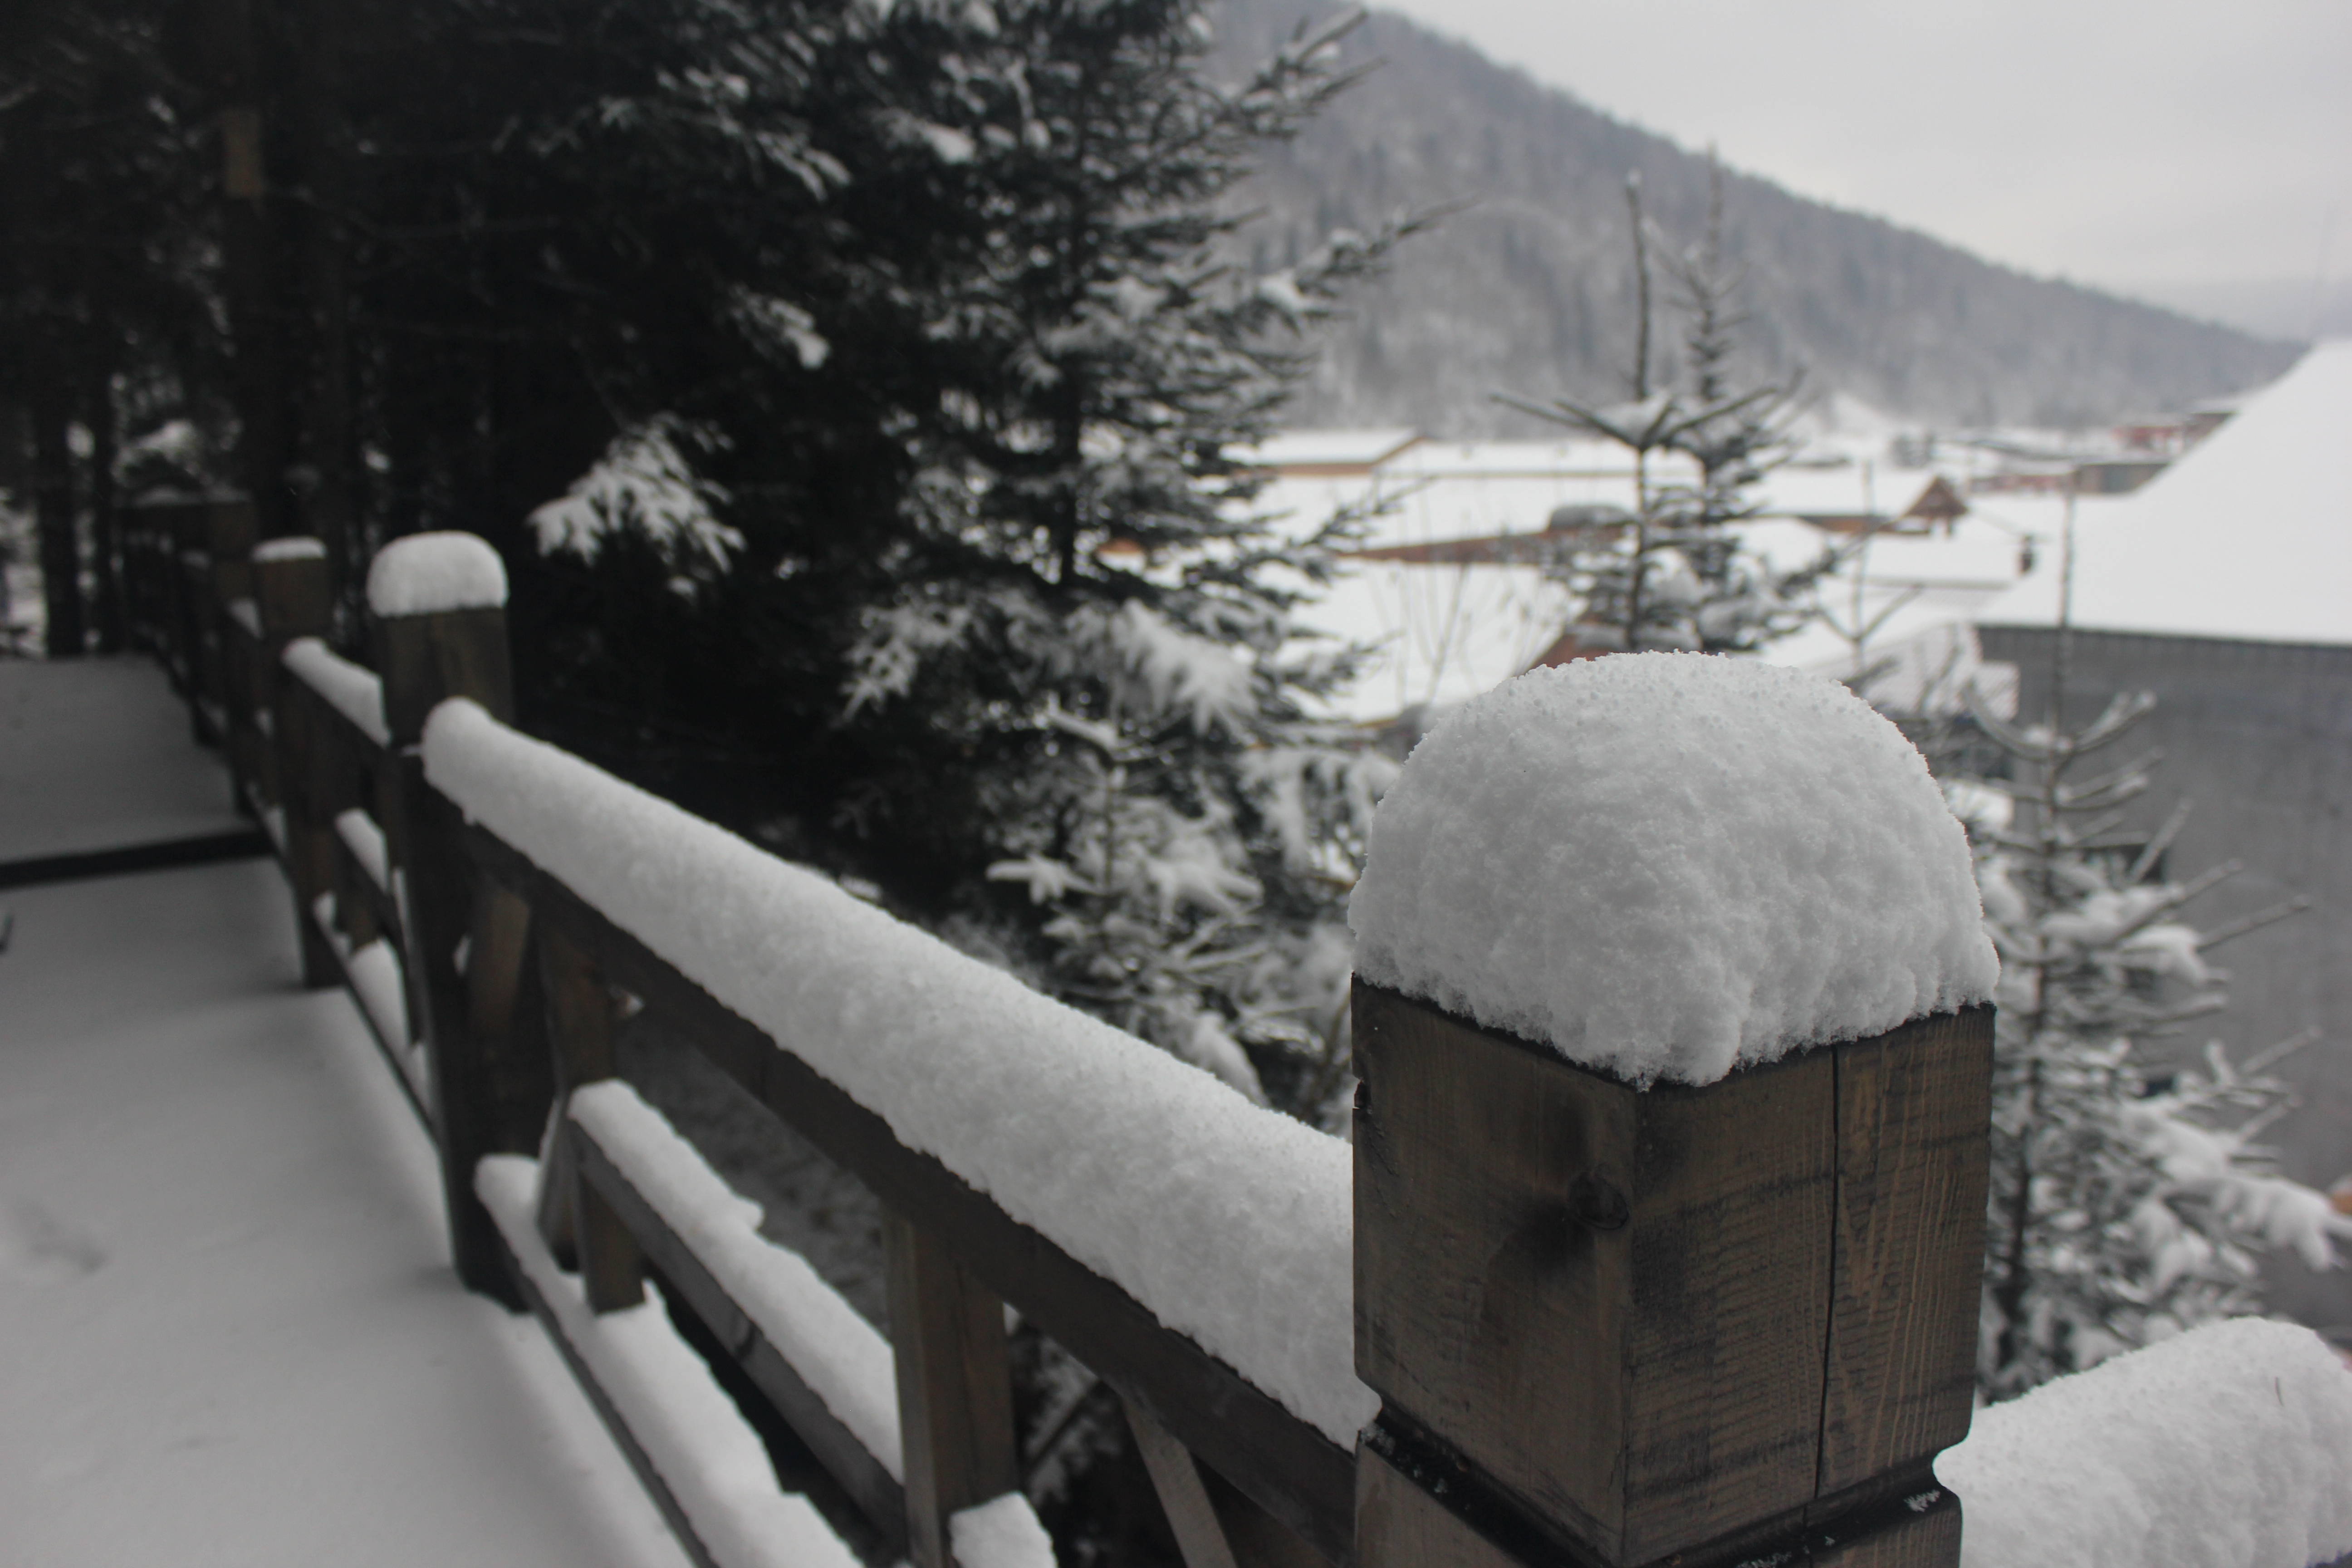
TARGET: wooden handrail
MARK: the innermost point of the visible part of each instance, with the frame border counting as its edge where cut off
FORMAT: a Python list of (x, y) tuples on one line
[(1297, 1475)]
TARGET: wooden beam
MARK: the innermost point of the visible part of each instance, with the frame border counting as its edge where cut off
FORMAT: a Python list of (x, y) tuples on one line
[(862, 1474), (955, 1386), (1199, 1533), (489, 1092), (1913, 1107)]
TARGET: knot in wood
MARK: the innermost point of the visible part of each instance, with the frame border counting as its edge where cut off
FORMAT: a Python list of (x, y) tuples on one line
[(1597, 1204)]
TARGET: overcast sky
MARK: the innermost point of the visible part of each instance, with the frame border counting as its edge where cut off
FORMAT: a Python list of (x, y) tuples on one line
[(2124, 142)]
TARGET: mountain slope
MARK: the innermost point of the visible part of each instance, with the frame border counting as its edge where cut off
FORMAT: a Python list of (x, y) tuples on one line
[(1527, 289)]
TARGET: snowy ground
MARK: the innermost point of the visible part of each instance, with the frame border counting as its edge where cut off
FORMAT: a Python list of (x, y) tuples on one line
[(228, 1329), (95, 755)]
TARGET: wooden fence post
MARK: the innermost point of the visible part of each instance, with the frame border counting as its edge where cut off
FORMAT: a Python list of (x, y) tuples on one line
[(578, 1223), (489, 1092), (295, 596), (955, 1386), (1669, 1326)]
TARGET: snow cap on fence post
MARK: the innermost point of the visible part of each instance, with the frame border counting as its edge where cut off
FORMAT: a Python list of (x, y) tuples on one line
[(1666, 866), (439, 604), (427, 574), (1670, 1147)]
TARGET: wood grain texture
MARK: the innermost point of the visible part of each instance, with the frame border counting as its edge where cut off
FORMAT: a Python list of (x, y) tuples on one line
[(1913, 1108), (1285, 1466), (1732, 1208), (1613, 1304), (955, 1386), (1192, 1517), (862, 1474)]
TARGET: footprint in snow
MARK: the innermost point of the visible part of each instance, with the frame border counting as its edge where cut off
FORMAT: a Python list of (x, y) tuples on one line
[(41, 1249)]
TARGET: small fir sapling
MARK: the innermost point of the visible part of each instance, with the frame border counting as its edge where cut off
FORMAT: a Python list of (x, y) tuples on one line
[(2129, 1196), (1672, 574)]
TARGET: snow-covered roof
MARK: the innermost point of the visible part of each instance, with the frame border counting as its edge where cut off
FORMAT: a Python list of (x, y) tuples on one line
[(2249, 537), (1328, 448)]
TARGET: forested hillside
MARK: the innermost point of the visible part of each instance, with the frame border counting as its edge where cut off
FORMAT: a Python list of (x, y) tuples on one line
[(1528, 287)]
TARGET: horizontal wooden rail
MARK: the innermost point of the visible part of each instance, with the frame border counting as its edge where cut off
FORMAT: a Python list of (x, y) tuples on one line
[(1293, 1471), (866, 1477)]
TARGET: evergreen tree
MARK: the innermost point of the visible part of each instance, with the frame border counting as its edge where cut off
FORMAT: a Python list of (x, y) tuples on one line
[(2129, 1196), (1090, 653), (1672, 574)]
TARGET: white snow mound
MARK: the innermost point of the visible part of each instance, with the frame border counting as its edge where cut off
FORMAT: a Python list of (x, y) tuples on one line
[(1668, 864), (1002, 1533), (426, 574), (2224, 1447), (295, 549)]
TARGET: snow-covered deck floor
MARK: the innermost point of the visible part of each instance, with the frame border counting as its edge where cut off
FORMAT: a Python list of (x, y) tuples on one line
[(228, 1329), (95, 755)]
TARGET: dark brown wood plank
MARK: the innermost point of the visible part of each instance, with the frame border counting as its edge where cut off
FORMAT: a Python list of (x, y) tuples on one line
[(1913, 1108), (423, 658), (575, 1218), (1486, 1309), (1733, 1207), (955, 1386), (490, 1092), (1300, 1477), (862, 1474), (612, 1269), (1612, 1304)]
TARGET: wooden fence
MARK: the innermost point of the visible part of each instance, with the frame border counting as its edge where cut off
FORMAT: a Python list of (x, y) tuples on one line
[(1715, 1326)]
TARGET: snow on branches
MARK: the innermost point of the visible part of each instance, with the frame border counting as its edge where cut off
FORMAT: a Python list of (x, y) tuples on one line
[(2129, 1193)]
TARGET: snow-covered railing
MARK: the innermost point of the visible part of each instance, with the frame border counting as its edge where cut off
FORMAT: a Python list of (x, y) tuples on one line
[(1657, 1241), (1189, 1246)]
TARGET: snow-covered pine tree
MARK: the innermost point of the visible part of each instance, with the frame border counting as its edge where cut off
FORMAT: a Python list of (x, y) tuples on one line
[(1672, 574), (1090, 650), (2129, 1196)]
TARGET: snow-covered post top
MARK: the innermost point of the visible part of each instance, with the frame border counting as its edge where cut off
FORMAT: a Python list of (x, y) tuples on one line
[(1670, 1150), (292, 592), (438, 601)]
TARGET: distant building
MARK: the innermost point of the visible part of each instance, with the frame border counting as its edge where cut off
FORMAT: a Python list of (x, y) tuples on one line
[(2116, 476)]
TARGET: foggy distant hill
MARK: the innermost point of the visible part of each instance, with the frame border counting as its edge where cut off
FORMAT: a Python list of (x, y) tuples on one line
[(1529, 289)]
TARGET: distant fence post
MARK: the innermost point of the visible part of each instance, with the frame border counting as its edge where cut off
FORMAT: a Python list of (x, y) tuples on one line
[(295, 598), (1724, 1322), (229, 539), (436, 605)]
